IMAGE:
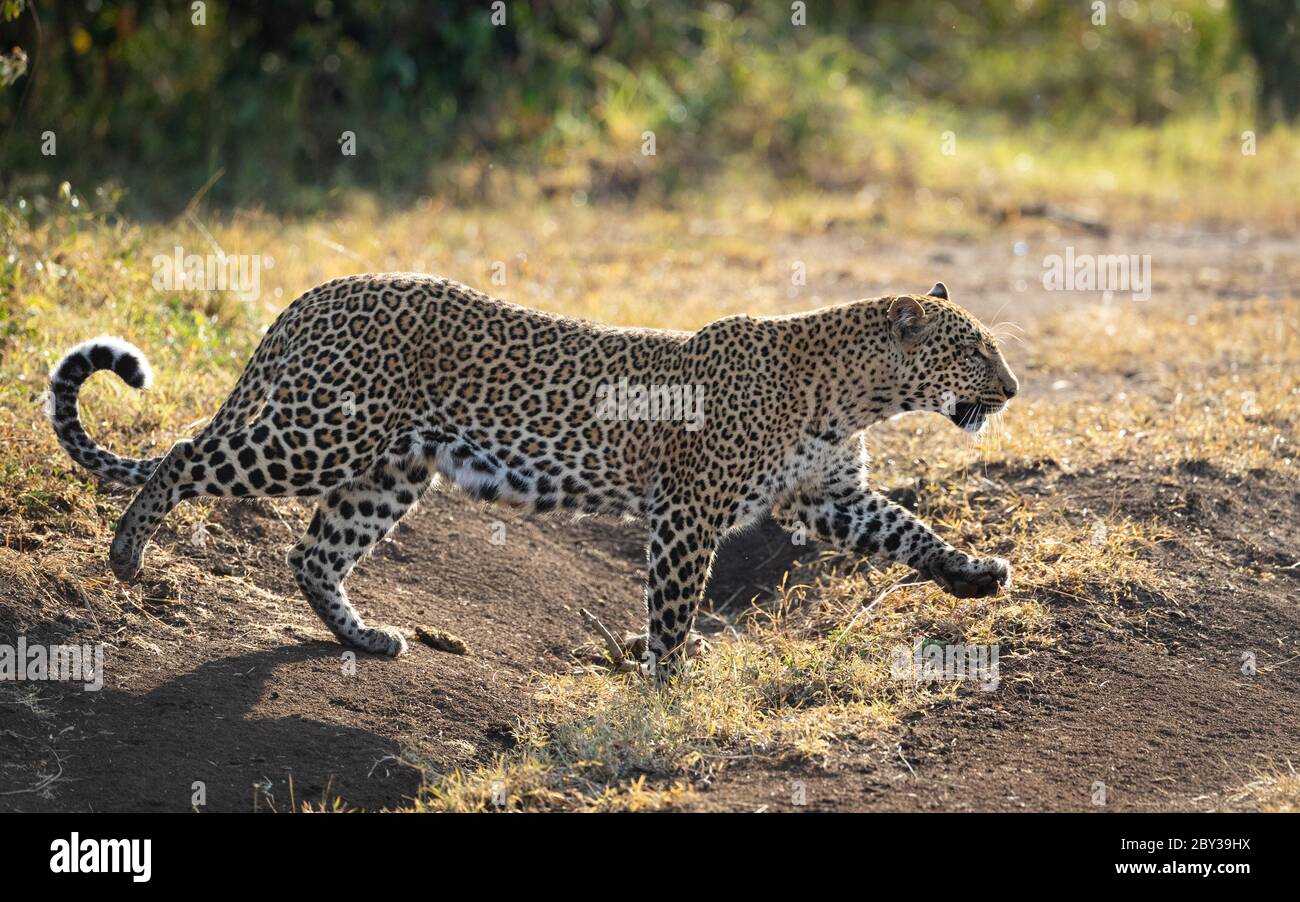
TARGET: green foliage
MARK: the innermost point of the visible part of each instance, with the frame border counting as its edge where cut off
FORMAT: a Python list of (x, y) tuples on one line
[(13, 64), (258, 99), (1271, 31)]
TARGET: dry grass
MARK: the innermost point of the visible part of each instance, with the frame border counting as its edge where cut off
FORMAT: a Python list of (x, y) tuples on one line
[(1276, 791), (891, 170)]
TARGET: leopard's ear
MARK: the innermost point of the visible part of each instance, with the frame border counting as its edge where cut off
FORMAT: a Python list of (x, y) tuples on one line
[(907, 320), (939, 290)]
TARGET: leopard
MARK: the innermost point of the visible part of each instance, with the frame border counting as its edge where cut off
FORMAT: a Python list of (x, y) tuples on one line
[(370, 390)]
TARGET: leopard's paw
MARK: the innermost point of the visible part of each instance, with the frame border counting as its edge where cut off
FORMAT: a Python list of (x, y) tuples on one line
[(695, 646), (125, 559), (969, 577), (383, 640), (663, 668)]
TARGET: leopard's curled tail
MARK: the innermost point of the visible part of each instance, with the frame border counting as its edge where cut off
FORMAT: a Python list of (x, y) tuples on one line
[(66, 379), (245, 402)]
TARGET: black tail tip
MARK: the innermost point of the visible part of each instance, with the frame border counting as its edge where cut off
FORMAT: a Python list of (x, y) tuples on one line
[(128, 368), (104, 353)]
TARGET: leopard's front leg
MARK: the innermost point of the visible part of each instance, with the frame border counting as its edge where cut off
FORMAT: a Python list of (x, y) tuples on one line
[(679, 554), (858, 520)]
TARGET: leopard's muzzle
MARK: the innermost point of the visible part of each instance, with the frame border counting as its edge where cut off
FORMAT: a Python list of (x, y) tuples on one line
[(972, 415)]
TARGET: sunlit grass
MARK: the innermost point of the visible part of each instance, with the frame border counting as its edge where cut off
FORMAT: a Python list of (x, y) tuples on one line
[(1276, 790)]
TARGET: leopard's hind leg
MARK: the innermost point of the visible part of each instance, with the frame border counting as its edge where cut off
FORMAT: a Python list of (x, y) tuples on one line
[(251, 463), (349, 522), (255, 462)]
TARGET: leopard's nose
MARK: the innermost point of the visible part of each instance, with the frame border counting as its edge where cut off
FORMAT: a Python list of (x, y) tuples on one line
[(1009, 389)]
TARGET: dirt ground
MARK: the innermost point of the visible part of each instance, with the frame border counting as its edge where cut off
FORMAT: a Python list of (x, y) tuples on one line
[(250, 698)]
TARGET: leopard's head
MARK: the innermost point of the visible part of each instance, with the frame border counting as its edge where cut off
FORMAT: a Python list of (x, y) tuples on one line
[(947, 361)]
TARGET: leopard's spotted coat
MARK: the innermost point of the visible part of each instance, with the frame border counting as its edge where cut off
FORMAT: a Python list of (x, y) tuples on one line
[(368, 389)]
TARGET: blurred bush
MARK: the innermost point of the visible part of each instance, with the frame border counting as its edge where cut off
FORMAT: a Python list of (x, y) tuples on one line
[(253, 103)]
